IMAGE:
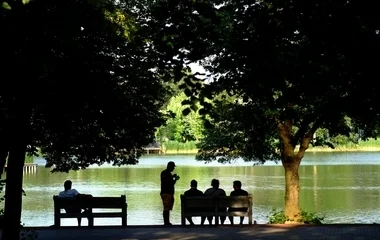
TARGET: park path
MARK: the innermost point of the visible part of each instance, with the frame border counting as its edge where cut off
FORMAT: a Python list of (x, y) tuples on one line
[(258, 231)]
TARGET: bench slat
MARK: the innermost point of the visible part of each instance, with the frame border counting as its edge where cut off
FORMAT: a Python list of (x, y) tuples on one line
[(95, 215)]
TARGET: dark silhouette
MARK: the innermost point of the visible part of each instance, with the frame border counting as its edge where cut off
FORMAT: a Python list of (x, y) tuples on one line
[(73, 193), (168, 181), (193, 192), (237, 192), (215, 191)]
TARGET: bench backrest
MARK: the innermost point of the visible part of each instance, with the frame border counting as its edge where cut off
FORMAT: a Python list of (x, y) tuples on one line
[(90, 202), (208, 201), (199, 201), (235, 201)]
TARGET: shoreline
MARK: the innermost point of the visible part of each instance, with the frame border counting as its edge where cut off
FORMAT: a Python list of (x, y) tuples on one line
[(312, 150)]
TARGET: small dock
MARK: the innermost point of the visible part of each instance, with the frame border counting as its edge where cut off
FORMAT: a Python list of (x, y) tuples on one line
[(153, 150), (28, 168)]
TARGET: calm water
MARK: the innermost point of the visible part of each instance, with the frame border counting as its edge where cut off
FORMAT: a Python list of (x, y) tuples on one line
[(342, 186)]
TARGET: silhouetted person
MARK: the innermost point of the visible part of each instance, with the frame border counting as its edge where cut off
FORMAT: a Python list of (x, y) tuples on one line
[(193, 192), (215, 191), (237, 192), (73, 193), (167, 191)]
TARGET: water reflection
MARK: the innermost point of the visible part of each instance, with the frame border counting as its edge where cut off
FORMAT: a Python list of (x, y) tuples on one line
[(343, 186)]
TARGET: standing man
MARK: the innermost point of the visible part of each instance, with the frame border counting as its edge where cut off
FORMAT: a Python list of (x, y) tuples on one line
[(237, 192), (193, 192), (168, 181)]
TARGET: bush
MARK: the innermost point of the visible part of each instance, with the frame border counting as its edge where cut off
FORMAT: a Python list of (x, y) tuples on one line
[(278, 217)]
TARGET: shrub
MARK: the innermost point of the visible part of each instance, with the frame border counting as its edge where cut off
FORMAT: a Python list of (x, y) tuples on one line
[(278, 217)]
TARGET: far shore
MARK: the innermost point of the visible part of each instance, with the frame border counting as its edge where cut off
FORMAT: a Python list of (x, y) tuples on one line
[(344, 149), (311, 149)]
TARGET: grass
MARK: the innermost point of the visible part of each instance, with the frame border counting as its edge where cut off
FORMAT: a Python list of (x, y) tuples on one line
[(174, 147), (371, 145)]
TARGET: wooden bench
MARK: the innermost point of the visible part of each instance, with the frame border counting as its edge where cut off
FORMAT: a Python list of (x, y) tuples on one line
[(91, 203), (204, 206)]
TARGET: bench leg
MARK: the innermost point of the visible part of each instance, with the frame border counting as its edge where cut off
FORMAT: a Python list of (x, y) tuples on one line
[(57, 221), (124, 221), (91, 221)]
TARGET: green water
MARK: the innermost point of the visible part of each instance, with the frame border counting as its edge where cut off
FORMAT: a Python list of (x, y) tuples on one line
[(342, 186)]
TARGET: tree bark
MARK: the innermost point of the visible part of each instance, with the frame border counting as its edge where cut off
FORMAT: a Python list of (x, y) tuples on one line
[(13, 193), (291, 162), (292, 188), (14, 176)]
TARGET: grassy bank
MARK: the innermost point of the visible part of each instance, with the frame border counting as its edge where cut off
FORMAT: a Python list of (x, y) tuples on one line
[(174, 147), (372, 145)]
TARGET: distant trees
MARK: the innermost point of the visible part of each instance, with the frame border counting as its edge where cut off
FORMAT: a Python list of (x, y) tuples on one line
[(178, 127)]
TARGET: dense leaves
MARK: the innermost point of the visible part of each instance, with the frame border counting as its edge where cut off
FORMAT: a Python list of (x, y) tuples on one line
[(79, 81), (292, 66)]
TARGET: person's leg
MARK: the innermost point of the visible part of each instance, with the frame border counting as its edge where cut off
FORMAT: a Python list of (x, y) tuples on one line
[(166, 215), (203, 219), (190, 220), (209, 219), (75, 210), (167, 201), (231, 220), (222, 220)]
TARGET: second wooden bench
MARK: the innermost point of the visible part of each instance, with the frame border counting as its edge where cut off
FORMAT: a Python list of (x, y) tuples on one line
[(204, 206), (91, 203)]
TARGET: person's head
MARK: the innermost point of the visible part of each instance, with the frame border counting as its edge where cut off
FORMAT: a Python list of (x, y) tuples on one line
[(215, 183), (67, 184), (194, 183), (171, 165), (237, 184)]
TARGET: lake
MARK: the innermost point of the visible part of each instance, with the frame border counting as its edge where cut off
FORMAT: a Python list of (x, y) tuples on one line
[(343, 186)]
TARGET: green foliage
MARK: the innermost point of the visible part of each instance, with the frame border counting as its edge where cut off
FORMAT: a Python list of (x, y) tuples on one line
[(179, 127), (278, 217), (96, 79)]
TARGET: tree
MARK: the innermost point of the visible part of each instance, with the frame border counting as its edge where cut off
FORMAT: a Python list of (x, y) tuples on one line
[(78, 81), (180, 128), (293, 66)]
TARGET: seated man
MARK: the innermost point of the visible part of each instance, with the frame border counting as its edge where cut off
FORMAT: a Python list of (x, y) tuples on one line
[(215, 191), (193, 192), (237, 192), (73, 193)]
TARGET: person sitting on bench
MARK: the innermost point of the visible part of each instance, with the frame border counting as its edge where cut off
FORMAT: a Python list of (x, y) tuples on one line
[(73, 193), (193, 192), (237, 192)]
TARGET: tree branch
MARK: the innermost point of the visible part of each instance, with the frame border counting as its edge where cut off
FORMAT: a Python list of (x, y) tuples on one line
[(304, 144), (285, 132)]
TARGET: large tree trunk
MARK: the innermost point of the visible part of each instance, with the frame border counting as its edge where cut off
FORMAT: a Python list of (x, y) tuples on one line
[(13, 192), (292, 188), (291, 162), (17, 139)]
